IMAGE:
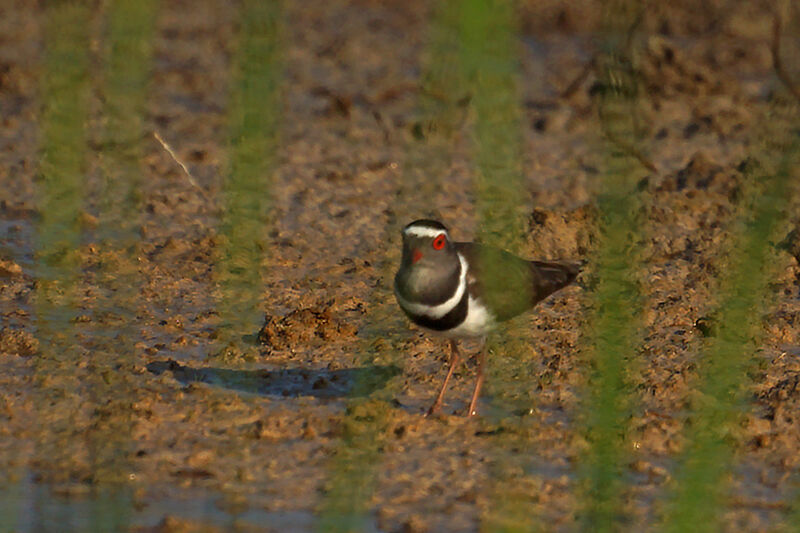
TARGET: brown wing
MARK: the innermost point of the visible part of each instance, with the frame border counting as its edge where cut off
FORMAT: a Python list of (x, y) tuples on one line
[(553, 275), (510, 285)]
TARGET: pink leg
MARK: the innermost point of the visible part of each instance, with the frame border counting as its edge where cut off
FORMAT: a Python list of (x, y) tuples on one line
[(473, 405), (454, 360)]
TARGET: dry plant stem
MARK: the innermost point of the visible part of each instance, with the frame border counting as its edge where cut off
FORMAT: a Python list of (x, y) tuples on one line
[(626, 147), (455, 358), (775, 49), (576, 83), (473, 405), (590, 65), (164, 144)]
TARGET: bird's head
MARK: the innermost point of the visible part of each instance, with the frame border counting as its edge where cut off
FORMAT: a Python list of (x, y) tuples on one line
[(426, 244)]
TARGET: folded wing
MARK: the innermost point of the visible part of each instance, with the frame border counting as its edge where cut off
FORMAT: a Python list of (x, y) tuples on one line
[(510, 285)]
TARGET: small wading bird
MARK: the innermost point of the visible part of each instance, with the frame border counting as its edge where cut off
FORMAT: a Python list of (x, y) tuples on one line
[(462, 289)]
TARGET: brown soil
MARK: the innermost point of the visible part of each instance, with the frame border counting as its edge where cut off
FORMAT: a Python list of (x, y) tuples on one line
[(253, 442)]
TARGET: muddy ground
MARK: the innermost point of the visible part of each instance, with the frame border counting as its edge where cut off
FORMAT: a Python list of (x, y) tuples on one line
[(198, 444)]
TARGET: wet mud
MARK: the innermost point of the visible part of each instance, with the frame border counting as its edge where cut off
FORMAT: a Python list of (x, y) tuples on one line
[(253, 437)]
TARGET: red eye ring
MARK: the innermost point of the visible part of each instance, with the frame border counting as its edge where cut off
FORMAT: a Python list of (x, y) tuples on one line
[(439, 241)]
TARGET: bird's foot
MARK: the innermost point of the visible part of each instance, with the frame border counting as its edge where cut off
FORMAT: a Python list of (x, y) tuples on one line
[(472, 410), (434, 409)]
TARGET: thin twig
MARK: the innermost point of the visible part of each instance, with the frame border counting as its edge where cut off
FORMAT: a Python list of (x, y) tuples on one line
[(628, 148), (591, 65), (631, 150), (174, 157), (777, 63), (634, 26), (625, 146), (576, 83)]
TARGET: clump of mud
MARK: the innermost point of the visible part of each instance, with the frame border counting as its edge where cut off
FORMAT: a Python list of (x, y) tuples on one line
[(9, 269), (563, 235), (18, 342), (301, 326)]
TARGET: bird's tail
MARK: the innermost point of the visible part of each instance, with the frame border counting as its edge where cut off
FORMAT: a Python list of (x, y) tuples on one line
[(554, 275)]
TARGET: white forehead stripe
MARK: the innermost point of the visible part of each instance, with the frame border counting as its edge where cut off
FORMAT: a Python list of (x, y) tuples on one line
[(437, 311), (422, 231)]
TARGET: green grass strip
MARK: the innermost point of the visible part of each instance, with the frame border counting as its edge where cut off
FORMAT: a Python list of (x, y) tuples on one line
[(613, 325), (490, 49), (127, 45), (64, 92), (490, 62), (441, 109), (490, 65), (254, 127), (367, 421), (442, 99), (59, 191), (614, 322), (744, 292), (351, 482)]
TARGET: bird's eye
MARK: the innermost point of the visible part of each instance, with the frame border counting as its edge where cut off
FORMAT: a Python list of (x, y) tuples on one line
[(438, 242)]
